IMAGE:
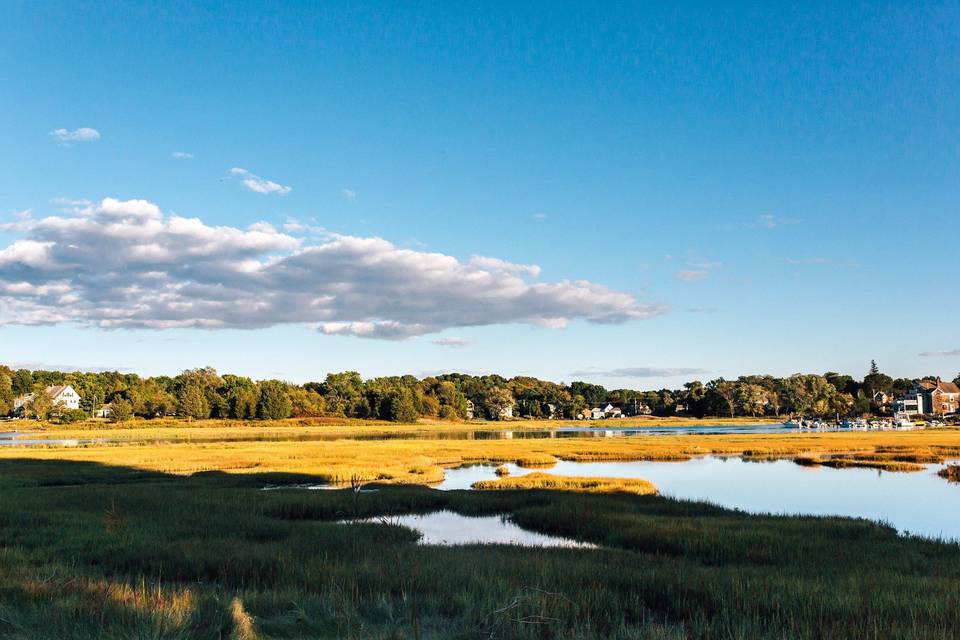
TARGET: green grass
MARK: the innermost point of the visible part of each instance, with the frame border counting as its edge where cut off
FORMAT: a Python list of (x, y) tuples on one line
[(94, 551)]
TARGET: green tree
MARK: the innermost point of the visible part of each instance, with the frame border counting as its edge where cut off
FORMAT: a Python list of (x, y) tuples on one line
[(342, 392), (39, 406), (305, 403), (22, 382), (752, 399), (121, 410), (724, 394), (6, 394), (400, 407), (449, 396), (593, 394), (240, 395), (496, 400), (875, 383), (192, 403), (274, 403)]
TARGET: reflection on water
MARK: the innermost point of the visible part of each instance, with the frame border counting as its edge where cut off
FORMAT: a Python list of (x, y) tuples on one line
[(448, 528), (15, 439), (919, 503)]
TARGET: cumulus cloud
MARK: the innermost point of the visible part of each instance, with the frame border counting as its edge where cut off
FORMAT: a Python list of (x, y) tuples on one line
[(259, 185), (83, 134), (642, 372), (125, 263), (452, 341), (941, 354), (496, 264), (182, 155)]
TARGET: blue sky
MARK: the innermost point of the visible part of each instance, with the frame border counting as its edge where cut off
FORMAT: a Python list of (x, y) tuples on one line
[(779, 183)]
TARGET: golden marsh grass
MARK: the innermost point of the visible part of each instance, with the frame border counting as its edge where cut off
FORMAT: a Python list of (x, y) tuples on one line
[(421, 461), (569, 483)]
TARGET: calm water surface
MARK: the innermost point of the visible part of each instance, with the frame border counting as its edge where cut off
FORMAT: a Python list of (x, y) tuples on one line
[(449, 528), (918, 503), (15, 439)]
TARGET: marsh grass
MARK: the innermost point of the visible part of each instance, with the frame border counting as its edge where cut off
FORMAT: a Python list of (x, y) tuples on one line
[(950, 472), (569, 483), (195, 545)]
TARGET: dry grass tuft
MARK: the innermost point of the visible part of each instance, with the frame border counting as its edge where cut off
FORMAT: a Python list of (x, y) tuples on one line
[(536, 461), (242, 622)]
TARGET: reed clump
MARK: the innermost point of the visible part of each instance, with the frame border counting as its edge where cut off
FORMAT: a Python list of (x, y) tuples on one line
[(569, 483), (536, 461), (950, 472)]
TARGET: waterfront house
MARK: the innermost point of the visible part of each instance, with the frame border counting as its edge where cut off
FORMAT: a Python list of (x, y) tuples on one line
[(471, 408), (636, 408), (608, 410), (909, 404), (930, 397), (63, 394), (940, 398)]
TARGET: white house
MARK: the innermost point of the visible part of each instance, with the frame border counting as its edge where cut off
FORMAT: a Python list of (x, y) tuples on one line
[(606, 411), (105, 411), (59, 395)]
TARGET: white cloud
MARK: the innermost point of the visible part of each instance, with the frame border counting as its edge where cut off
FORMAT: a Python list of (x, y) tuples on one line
[(642, 372), (260, 185), (692, 275), (349, 194), (539, 216), (768, 221), (181, 155), (83, 134), (941, 354), (496, 264), (452, 341), (127, 264)]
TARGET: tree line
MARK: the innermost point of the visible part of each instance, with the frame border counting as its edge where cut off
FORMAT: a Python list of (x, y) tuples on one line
[(204, 393)]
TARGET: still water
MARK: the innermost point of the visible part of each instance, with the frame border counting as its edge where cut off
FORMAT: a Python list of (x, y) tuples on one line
[(15, 439), (918, 503), (448, 528)]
